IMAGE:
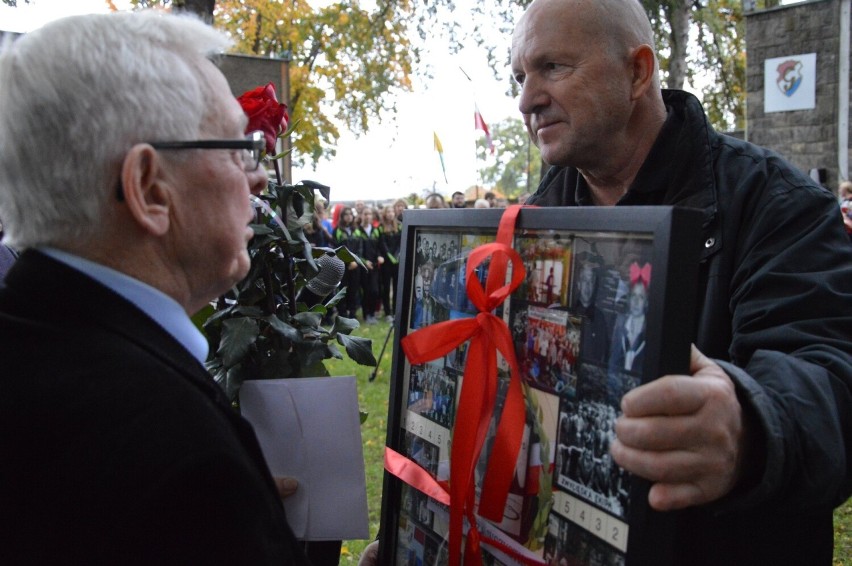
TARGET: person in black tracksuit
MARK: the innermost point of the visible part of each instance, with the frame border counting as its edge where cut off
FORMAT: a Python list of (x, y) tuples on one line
[(348, 234), (371, 234), (390, 241)]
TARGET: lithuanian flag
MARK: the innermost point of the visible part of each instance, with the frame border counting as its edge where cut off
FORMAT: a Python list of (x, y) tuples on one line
[(440, 149)]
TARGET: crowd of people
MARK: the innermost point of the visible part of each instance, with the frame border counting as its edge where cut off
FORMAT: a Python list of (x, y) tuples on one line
[(374, 235), (489, 199)]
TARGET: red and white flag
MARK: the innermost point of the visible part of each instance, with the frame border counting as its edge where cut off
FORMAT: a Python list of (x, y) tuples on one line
[(479, 124)]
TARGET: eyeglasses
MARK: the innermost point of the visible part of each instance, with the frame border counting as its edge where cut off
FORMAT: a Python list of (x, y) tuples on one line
[(252, 147)]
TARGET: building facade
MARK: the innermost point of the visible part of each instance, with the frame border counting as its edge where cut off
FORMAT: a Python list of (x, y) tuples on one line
[(806, 42)]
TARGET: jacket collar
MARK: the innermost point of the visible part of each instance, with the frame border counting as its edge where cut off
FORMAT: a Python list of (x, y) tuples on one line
[(677, 172), (40, 287)]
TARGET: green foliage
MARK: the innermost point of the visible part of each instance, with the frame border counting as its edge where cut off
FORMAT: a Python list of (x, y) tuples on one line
[(259, 330), (716, 59), (342, 53), (721, 38), (518, 161)]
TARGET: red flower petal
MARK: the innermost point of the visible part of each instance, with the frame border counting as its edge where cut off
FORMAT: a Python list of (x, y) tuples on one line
[(265, 113)]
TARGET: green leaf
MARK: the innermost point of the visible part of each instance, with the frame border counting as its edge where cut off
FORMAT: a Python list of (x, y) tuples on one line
[(233, 381), (359, 349), (248, 310), (336, 299), (334, 351), (291, 128), (318, 308), (215, 368), (343, 325), (309, 319), (238, 336), (201, 316), (313, 352), (284, 153), (347, 256), (315, 370), (362, 415), (306, 191), (282, 328), (229, 380), (324, 190)]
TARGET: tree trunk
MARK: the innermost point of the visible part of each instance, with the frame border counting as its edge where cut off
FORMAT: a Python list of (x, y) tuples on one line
[(202, 8), (680, 12)]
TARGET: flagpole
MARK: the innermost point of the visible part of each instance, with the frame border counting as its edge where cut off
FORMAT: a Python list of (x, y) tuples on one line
[(478, 176), (479, 124)]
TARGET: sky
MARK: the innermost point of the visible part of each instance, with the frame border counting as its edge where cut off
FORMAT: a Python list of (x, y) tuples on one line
[(396, 157)]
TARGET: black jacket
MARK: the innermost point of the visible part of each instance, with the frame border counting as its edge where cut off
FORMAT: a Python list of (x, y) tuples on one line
[(775, 311), (117, 446)]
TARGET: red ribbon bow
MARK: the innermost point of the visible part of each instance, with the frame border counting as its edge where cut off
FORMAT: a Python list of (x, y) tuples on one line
[(640, 274), (487, 334)]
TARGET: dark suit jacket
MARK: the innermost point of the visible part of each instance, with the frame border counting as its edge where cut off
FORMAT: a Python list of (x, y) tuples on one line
[(116, 446), (7, 259)]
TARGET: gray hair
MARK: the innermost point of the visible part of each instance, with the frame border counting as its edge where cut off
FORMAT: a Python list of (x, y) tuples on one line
[(75, 96)]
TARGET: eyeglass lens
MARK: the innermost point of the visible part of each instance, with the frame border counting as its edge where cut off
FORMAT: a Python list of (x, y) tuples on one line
[(251, 159)]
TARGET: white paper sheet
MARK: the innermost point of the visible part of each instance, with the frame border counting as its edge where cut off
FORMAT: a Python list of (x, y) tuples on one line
[(310, 429)]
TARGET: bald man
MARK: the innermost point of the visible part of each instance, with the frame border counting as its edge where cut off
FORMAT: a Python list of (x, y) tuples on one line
[(752, 445)]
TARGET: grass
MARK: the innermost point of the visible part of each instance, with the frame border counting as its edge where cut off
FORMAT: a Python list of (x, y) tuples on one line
[(843, 535), (373, 397)]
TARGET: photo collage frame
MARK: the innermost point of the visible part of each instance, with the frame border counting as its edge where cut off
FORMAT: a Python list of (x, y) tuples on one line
[(587, 324)]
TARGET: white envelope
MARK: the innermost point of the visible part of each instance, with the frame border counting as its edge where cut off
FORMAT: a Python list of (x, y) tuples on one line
[(309, 428)]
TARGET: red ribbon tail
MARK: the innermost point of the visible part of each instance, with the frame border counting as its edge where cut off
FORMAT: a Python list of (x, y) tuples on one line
[(415, 476)]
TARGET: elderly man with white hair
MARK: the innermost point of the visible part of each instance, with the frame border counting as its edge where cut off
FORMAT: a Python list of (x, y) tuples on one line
[(125, 178)]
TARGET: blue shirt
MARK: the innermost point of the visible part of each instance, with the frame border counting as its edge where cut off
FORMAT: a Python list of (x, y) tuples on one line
[(164, 310)]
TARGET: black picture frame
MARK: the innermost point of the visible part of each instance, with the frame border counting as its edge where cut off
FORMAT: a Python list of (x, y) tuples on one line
[(582, 339)]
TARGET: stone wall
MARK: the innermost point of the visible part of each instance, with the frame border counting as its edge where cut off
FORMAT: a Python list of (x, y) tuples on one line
[(245, 73), (808, 138)]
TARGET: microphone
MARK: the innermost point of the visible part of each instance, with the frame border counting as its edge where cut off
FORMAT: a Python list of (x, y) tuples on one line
[(331, 270)]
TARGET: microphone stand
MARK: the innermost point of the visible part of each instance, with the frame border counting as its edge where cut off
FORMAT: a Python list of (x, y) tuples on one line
[(379, 361)]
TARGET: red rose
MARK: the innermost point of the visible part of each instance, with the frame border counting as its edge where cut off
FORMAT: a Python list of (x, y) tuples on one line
[(265, 113)]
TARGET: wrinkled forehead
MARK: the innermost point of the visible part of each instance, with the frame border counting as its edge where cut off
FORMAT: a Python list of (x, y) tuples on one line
[(554, 28)]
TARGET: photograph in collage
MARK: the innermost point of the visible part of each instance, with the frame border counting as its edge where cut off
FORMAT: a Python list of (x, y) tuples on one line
[(611, 280), (432, 393), (434, 292), (549, 350), (547, 262), (568, 545)]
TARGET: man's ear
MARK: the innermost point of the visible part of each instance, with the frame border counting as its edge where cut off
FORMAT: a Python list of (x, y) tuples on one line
[(644, 67), (146, 195)]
